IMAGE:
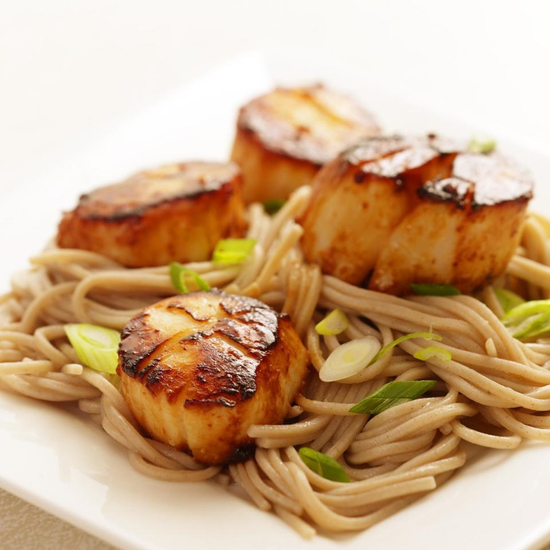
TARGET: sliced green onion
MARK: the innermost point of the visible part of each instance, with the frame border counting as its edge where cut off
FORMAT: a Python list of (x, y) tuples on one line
[(527, 309), (533, 326), (181, 275), (433, 351), (96, 347), (391, 394), (387, 347), (349, 359), (507, 299), (334, 323), (232, 251), (482, 144), (272, 206), (323, 465), (434, 289), (528, 319)]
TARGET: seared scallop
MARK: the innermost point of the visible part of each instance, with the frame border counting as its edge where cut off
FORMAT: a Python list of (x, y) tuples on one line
[(198, 370), (173, 213), (285, 136), (361, 197), (393, 211), (463, 231)]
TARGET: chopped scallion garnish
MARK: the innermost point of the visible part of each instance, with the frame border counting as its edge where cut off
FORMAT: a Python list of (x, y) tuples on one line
[(507, 299), (334, 323), (387, 347), (349, 359), (272, 206), (433, 351), (233, 251), (434, 289), (528, 319), (391, 394), (323, 465), (181, 275), (96, 347), (482, 144)]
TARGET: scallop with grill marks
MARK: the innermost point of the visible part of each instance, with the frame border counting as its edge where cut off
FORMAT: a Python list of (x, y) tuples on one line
[(198, 370)]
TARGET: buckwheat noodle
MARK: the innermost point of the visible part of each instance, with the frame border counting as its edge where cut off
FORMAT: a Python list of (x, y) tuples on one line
[(493, 393)]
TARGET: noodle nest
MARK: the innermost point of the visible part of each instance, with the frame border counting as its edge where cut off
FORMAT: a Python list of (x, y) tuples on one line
[(494, 392)]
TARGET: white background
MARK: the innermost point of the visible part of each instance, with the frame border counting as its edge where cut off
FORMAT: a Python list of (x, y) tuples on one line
[(71, 70)]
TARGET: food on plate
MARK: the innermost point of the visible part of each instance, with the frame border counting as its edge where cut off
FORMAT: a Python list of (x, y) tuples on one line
[(212, 383), (198, 370), (176, 212), (392, 211), (286, 135)]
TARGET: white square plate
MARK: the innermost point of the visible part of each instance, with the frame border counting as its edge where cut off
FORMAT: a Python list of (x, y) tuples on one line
[(65, 464)]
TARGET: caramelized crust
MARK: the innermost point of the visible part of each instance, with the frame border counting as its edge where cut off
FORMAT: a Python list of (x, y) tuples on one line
[(361, 197), (463, 230), (396, 210), (285, 136), (176, 212), (198, 370)]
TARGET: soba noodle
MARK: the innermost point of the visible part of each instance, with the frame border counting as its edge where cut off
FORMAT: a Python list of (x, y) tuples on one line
[(493, 393)]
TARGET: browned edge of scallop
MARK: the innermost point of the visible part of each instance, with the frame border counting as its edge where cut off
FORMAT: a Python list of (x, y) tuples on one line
[(139, 343), (483, 204), (241, 358), (362, 195), (277, 156), (176, 212)]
